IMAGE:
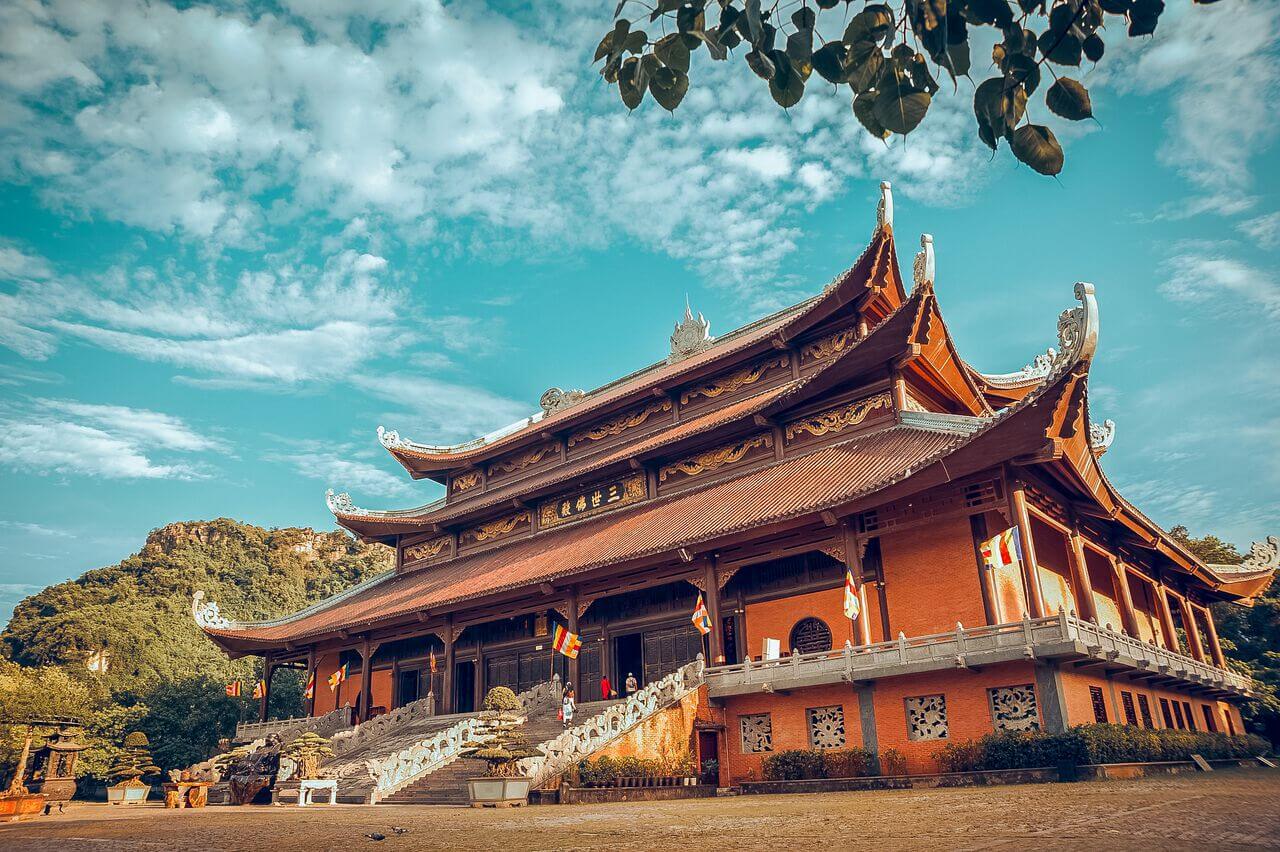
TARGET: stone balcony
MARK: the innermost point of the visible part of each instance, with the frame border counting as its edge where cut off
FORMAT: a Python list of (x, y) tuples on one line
[(1062, 638)]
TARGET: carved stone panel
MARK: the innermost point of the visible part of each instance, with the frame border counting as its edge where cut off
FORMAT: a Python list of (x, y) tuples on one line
[(839, 418), (619, 424), (1013, 708), (927, 717), (826, 727), (757, 733), (730, 382)]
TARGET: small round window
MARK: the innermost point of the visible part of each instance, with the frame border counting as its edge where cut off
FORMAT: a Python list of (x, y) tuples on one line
[(810, 636)]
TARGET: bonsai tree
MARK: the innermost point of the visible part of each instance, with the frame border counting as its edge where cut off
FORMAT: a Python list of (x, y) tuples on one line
[(503, 746), (135, 761), (307, 751)]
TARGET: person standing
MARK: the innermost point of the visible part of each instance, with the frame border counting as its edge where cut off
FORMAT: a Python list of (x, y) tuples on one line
[(566, 708), (606, 688), (632, 684)]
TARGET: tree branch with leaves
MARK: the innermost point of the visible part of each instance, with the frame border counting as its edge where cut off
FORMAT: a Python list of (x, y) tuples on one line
[(889, 57)]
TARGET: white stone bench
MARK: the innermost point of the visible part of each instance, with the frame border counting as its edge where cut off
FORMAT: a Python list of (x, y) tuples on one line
[(307, 789)]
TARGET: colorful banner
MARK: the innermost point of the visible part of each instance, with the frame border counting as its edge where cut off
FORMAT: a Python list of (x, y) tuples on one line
[(702, 618), (566, 643), (338, 677), (852, 602), (1004, 549), (233, 689)]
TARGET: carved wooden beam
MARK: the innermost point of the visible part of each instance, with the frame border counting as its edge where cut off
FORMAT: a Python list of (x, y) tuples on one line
[(829, 518), (686, 555), (635, 463), (1052, 450), (546, 588)]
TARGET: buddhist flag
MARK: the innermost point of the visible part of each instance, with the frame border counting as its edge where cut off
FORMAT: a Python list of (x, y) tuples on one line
[(260, 689), (433, 660), (233, 689), (310, 692), (338, 677), (1005, 549), (566, 643), (852, 602), (701, 618)]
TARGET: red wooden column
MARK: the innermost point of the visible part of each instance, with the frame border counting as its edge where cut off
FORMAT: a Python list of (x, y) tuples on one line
[(1120, 576), (311, 672), (1166, 618), (267, 668), (853, 563), (978, 528), (571, 616), (715, 640), (1080, 576), (1215, 647), (366, 678), (1030, 573), (445, 702), (1192, 630)]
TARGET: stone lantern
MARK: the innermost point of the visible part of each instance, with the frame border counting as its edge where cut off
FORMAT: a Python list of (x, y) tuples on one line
[(52, 770)]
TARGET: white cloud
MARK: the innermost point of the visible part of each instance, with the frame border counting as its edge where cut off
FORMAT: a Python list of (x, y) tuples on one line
[(1197, 277), (36, 529), (1264, 230), (435, 411), (153, 429), (334, 467)]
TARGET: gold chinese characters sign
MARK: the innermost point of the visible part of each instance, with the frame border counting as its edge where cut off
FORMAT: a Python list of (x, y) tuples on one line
[(591, 501)]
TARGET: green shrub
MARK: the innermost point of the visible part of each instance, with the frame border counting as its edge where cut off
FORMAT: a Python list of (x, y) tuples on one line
[(847, 763), (963, 756), (893, 762), (793, 765)]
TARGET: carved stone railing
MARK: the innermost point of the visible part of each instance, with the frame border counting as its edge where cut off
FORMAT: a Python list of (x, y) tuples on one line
[(564, 751), (366, 732), (326, 726), (378, 777), (1059, 636)]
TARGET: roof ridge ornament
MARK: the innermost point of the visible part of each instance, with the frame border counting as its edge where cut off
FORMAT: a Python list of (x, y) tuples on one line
[(340, 503), (391, 439), (206, 615), (884, 210), (690, 336), (555, 399), (1101, 436), (923, 268), (1263, 555)]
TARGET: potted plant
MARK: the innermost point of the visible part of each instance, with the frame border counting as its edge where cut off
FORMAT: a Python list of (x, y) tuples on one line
[(307, 752), (502, 748), (129, 767)]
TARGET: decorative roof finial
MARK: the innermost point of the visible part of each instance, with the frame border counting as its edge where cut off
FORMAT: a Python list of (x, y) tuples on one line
[(884, 210), (1100, 437), (206, 615), (690, 336), (1078, 327), (555, 399), (922, 269), (1263, 555), (340, 504), (390, 439)]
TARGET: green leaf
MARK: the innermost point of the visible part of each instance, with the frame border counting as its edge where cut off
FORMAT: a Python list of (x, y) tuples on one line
[(995, 12), (958, 62), (673, 52), (1035, 145), (1069, 99), (1116, 7), (668, 87), (987, 106), (875, 23), (829, 59), (863, 73), (864, 109), (1020, 68), (636, 41), (901, 111)]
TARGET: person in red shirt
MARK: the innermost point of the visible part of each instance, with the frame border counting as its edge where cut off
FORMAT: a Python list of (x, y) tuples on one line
[(606, 688)]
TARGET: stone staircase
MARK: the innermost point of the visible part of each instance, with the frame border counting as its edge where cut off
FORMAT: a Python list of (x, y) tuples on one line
[(448, 784)]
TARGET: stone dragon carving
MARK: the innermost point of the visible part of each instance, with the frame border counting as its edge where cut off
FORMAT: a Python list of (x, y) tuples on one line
[(581, 741), (340, 504), (923, 268), (1101, 436), (391, 439), (555, 399), (1263, 555), (206, 614), (884, 209)]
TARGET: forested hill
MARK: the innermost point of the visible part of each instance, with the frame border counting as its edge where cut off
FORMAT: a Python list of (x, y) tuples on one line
[(139, 611)]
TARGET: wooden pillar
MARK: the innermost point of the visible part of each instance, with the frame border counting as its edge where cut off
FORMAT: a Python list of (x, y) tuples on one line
[(1120, 576), (715, 640), (445, 702), (572, 618), (366, 678), (267, 668), (1215, 647), (1080, 576), (899, 392), (1030, 573), (478, 691), (1166, 618), (312, 673), (1191, 629), (853, 564), (986, 582)]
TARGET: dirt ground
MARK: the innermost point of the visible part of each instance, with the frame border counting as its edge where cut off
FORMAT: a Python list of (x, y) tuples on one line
[(1226, 810)]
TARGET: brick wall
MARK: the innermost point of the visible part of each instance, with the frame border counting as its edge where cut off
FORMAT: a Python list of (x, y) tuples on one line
[(931, 578), (774, 619), (790, 725), (1076, 685), (326, 664)]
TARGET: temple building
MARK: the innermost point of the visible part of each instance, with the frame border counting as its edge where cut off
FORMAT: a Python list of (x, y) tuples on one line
[(1001, 581)]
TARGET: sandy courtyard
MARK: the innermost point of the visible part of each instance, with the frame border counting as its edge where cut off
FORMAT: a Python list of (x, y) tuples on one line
[(1229, 810)]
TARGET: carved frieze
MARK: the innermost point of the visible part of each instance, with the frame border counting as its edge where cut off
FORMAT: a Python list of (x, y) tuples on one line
[(465, 481), (839, 418), (756, 731), (715, 458), (926, 717), (1013, 708), (592, 501), (494, 529), (518, 463), (826, 726), (617, 425), (427, 549), (729, 383), (829, 346)]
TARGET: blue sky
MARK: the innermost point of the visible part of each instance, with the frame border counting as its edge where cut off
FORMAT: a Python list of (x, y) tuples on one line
[(233, 241)]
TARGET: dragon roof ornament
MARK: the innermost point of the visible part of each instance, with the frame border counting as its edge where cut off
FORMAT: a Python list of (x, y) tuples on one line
[(884, 209), (391, 439), (1039, 367), (691, 336), (555, 399), (1078, 327), (1101, 436), (923, 267), (206, 614), (340, 503), (1263, 555)]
